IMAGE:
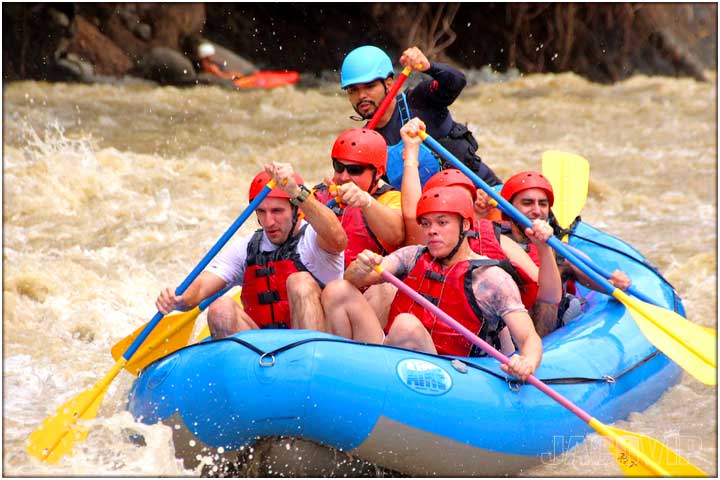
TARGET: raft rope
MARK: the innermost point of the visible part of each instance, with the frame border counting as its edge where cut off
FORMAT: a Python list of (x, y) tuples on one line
[(267, 359)]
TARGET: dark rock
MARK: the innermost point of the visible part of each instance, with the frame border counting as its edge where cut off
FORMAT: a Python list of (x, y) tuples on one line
[(233, 61), (34, 36), (603, 42), (91, 46), (127, 24), (166, 66)]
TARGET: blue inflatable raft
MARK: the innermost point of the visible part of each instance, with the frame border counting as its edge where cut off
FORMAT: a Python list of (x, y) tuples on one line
[(414, 413)]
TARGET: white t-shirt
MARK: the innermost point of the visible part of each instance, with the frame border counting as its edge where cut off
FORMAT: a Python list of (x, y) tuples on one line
[(230, 263)]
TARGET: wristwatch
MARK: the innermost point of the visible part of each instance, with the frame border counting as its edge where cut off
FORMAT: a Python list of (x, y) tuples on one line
[(304, 194)]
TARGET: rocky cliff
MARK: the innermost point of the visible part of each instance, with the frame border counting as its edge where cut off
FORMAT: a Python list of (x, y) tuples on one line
[(156, 41)]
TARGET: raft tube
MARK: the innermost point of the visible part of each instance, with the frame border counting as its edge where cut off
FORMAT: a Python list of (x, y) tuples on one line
[(414, 413)]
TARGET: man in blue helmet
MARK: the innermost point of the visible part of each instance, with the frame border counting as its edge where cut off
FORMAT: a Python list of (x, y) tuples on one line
[(367, 75)]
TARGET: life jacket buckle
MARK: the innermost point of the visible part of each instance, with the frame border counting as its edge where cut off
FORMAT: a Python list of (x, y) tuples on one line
[(269, 297), (266, 363)]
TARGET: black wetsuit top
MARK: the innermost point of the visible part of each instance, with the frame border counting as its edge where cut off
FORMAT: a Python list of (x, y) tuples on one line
[(429, 100)]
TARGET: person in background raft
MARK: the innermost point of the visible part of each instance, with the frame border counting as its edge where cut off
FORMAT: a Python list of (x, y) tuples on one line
[(260, 79), (532, 194), (282, 267), (540, 287), (367, 74), (469, 287)]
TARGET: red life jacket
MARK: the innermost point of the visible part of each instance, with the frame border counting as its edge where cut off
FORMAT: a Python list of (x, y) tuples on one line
[(488, 244), (264, 291), (483, 240), (360, 237), (451, 291)]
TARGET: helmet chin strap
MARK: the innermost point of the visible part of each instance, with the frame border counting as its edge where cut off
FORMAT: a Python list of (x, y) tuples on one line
[(455, 249)]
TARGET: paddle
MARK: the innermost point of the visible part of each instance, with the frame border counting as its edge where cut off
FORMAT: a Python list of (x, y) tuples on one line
[(172, 334), (637, 455), (689, 345), (58, 432), (389, 97), (569, 175)]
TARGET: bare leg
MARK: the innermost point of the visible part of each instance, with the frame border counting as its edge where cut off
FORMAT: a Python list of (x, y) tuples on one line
[(349, 314), (306, 312), (408, 332), (544, 316), (226, 317), (380, 298)]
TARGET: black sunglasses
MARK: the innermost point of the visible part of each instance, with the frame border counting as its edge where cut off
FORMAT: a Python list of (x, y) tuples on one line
[(351, 169)]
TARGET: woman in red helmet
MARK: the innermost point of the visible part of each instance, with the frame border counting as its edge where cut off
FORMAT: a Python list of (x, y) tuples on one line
[(368, 208), (282, 267), (467, 286)]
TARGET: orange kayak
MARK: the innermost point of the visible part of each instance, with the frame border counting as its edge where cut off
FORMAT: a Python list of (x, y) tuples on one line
[(266, 79)]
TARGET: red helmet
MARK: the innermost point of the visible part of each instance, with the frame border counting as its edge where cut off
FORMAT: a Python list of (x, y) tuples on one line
[(451, 177), (363, 146), (524, 181), (446, 200), (261, 179)]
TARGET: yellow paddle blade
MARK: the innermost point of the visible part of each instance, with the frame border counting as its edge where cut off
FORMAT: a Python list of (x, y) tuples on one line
[(170, 335), (57, 433), (641, 456), (204, 333), (691, 346), (569, 175)]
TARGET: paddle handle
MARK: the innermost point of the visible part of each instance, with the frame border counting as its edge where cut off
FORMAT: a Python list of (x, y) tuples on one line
[(516, 215), (201, 266), (388, 98), (471, 337)]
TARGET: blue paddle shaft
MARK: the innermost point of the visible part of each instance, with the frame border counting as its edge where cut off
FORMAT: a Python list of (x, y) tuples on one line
[(631, 289), (199, 268), (508, 208)]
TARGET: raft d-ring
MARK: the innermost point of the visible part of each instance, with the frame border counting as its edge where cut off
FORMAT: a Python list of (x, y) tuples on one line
[(513, 385), (265, 363), (608, 379)]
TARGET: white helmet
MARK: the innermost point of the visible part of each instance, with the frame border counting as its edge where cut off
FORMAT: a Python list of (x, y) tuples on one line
[(206, 49)]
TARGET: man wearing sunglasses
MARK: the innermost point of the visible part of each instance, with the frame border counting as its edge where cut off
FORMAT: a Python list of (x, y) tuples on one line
[(368, 208), (367, 75)]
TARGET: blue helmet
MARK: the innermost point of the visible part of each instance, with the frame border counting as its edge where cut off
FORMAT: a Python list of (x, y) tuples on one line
[(363, 65)]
